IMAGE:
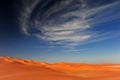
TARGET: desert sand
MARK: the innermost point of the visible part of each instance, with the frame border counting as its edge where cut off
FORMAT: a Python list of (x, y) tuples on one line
[(19, 69)]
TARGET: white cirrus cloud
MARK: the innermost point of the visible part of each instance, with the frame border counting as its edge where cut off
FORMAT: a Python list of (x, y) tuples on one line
[(68, 22)]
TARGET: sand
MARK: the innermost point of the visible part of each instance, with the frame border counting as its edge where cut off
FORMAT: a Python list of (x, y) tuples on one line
[(18, 69)]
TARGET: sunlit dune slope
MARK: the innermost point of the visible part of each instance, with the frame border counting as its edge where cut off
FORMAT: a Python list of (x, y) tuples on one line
[(18, 69)]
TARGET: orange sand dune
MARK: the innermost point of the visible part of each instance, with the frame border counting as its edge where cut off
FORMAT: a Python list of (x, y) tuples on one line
[(18, 69)]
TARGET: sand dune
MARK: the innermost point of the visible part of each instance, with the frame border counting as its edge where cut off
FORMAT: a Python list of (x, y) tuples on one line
[(18, 69)]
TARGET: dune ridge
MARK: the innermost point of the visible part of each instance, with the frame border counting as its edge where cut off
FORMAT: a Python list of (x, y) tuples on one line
[(21, 69)]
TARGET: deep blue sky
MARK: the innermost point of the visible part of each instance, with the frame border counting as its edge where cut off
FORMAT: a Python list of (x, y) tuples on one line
[(65, 30)]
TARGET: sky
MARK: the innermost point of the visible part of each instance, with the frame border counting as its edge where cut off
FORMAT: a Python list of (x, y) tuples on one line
[(81, 31)]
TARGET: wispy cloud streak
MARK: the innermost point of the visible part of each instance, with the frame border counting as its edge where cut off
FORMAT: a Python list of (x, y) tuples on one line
[(66, 22)]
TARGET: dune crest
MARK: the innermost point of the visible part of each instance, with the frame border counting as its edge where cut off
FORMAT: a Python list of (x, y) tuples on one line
[(19, 69)]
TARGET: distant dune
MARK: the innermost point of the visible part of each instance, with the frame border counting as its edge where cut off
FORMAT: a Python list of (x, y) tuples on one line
[(18, 69)]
